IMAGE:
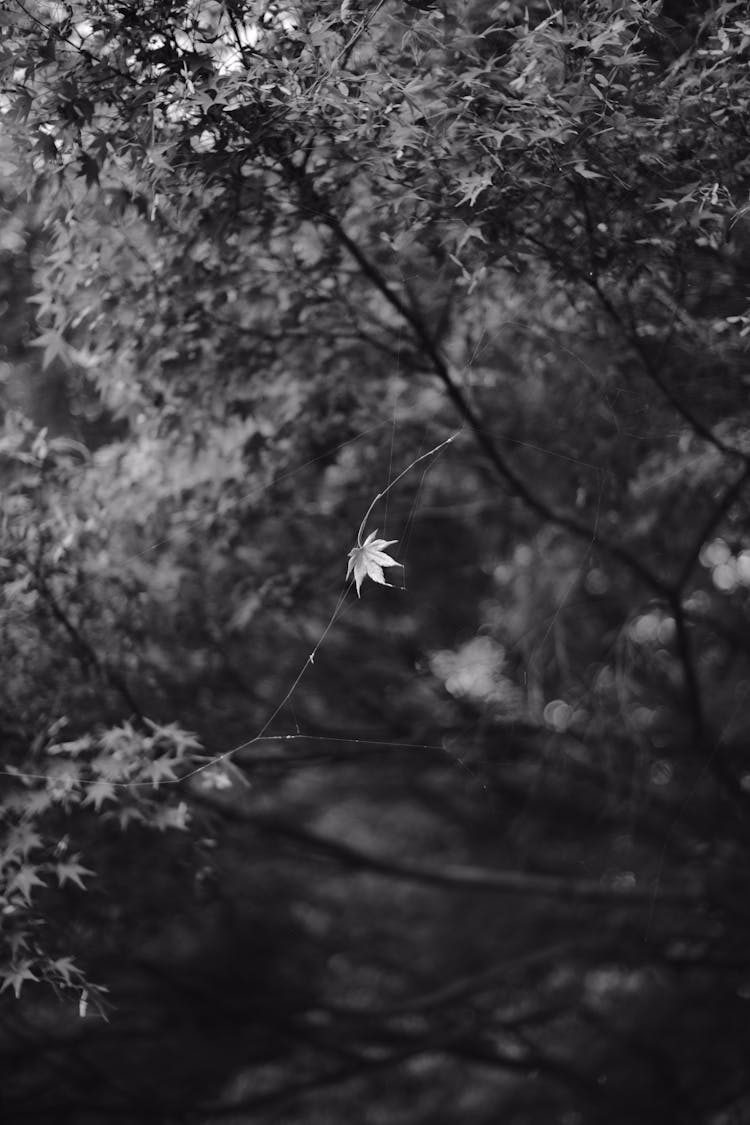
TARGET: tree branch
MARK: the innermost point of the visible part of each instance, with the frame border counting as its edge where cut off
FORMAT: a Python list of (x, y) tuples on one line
[(86, 653), (458, 877), (726, 780), (313, 202)]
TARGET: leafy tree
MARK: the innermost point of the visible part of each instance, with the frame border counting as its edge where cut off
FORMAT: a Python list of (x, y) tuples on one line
[(487, 835)]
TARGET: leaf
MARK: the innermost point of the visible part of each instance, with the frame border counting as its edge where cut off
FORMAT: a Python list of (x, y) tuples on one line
[(65, 968), (175, 817), (181, 740), (126, 816), (89, 169), (54, 346), (20, 840), (71, 872), (368, 561), (586, 173), (472, 184), (161, 769), (98, 792), (24, 879), (15, 976)]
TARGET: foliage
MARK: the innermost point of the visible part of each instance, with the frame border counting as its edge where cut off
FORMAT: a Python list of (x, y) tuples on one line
[(273, 253), (368, 559)]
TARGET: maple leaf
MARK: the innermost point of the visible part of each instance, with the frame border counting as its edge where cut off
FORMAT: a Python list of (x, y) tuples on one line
[(472, 184), (54, 345), (24, 880), (21, 839), (368, 560), (160, 770), (71, 872), (98, 792), (66, 968), (16, 975)]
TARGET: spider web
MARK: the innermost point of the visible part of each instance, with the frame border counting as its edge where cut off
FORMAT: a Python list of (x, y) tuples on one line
[(264, 733)]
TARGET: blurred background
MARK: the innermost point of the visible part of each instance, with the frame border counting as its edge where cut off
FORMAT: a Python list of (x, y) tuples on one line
[(471, 848)]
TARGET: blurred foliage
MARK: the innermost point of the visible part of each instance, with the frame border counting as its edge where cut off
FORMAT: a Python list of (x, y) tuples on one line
[(262, 843)]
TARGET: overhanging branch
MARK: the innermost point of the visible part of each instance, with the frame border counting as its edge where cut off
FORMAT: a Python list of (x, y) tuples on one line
[(458, 877), (317, 207)]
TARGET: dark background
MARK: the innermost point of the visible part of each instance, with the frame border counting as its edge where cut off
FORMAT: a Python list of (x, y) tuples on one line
[(485, 857)]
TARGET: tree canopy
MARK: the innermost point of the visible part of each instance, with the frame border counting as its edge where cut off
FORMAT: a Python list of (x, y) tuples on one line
[(287, 286)]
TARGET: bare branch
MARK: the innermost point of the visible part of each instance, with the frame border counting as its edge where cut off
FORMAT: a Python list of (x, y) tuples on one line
[(461, 877)]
